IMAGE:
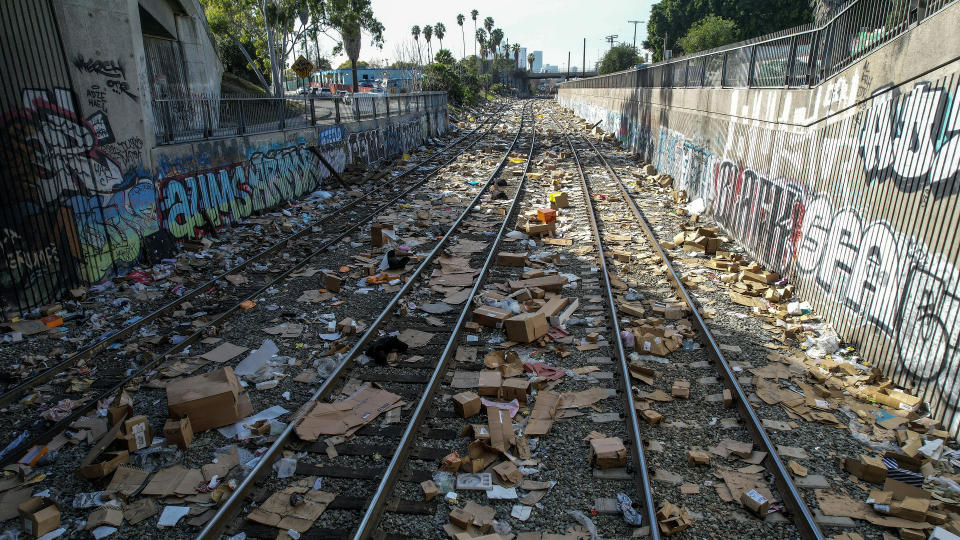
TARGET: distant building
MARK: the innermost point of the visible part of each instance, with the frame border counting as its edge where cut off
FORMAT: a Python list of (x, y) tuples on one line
[(537, 61), (574, 69), (386, 78), (550, 68), (522, 59)]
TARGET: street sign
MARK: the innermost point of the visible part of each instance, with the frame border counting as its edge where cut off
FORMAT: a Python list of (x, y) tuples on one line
[(302, 67)]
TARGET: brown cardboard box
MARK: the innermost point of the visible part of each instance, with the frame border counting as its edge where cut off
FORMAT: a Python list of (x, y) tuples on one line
[(651, 416), (697, 457), (608, 452), (489, 382), (559, 199), (430, 490), (39, 516), (211, 400), (633, 310), (514, 388), (117, 414), (526, 327), (755, 502), (377, 237), (912, 508), (867, 468), (138, 433), (553, 306), (332, 282), (96, 464), (673, 519), (178, 432), (491, 317), (535, 227), (681, 389), (461, 518), (466, 404), (511, 259)]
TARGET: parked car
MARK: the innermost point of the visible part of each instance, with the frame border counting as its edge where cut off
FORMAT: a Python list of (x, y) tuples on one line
[(366, 84), (326, 92), (303, 91)]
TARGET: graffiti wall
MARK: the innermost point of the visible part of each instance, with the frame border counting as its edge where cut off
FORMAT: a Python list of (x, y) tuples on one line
[(850, 190)]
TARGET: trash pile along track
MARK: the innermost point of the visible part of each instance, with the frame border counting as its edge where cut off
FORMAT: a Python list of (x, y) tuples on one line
[(151, 304), (101, 367), (544, 480), (863, 453), (148, 399)]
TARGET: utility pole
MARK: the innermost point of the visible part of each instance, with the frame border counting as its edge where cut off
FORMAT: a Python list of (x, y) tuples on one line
[(568, 65), (584, 54), (665, 36), (610, 39), (635, 23)]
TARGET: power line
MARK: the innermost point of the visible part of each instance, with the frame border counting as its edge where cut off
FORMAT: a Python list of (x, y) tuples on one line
[(610, 39), (635, 23)]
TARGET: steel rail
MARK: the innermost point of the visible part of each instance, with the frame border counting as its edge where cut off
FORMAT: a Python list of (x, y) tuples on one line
[(631, 412), (802, 517), (10, 395), (11, 455), (229, 509), (377, 505)]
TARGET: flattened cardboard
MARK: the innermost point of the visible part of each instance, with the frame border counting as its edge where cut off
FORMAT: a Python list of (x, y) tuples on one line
[(547, 283), (501, 428), (543, 413), (109, 515), (347, 416)]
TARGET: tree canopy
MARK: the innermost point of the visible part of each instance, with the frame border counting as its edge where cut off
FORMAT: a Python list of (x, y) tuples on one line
[(618, 58), (707, 33), (673, 19)]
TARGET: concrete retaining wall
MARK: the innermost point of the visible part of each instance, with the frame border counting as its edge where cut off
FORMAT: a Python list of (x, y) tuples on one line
[(849, 189)]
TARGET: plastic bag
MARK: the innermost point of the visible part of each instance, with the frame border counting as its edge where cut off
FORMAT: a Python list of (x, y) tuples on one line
[(285, 467), (629, 514), (586, 522)]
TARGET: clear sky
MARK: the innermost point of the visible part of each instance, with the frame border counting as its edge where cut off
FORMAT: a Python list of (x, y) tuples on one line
[(551, 26)]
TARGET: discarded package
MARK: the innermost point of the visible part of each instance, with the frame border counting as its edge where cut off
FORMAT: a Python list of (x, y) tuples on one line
[(347, 416), (608, 452), (211, 400), (39, 516), (178, 432)]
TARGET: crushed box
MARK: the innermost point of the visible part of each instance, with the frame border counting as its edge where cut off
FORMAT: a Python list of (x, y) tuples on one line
[(526, 327), (178, 432), (211, 400)]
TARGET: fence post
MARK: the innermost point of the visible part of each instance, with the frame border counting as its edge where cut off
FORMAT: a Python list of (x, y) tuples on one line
[(356, 106), (373, 106), (313, 113), (281, 104), (336, 110), (207, 127), (812, 58), (241, 121), (168, 120), (386, 102), (703, 71), (788, 76), (751, 71), (723, 71)]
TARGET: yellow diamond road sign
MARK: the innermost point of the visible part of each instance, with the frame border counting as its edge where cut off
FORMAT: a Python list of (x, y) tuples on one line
[(302, 67)]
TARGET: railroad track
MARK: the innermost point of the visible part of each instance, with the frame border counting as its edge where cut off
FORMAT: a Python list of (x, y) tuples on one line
[(107, 366), (347, 471), (710, 397)]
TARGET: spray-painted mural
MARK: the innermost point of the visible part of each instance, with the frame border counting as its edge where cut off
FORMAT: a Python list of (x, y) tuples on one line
[(843, 208), (199, 202), (74, 204)]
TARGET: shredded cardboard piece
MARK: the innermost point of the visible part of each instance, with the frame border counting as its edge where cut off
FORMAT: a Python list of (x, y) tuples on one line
[(414, 338), (347, 416), (224, 353), (836, 504), (277, 511)]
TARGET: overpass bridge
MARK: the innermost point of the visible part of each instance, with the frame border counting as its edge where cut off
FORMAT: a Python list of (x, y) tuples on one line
[(563, 75)]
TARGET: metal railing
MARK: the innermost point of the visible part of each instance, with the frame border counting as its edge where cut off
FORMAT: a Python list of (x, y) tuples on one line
[(798, 57), (192, 119)]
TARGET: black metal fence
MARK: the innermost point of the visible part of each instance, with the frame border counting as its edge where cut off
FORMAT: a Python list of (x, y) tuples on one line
[(192, 119), (802, 56)]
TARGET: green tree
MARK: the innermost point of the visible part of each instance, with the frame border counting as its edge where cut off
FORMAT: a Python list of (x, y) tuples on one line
[(463, 37), (440, 77), (427, 34), (473, 15), (618, 58), (444, 56), (671, 20), (530, 60), (496, 38), (346, 64), (482, 40), (415, 32), (516, 54), (708, 33), (439, 30)]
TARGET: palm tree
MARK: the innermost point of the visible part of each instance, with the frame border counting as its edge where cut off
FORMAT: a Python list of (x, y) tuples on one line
[(415, 31), (440, 30), (496, 38), (530, 59), (516, 54), (427, 34), (474, 14), (482, 40), (463, 36), (488, 24)]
